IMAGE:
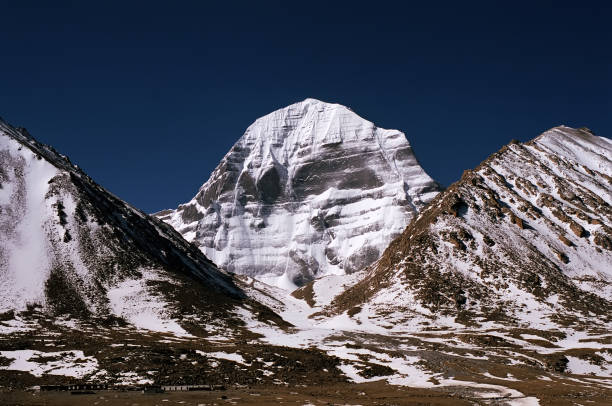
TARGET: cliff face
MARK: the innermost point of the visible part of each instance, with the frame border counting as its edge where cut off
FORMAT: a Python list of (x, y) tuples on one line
[(309, 190), (524, 238)]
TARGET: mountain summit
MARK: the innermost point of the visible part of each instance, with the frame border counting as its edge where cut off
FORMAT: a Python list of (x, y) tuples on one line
[(309, 190)]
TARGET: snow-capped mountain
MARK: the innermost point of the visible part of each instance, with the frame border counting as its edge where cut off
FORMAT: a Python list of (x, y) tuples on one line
[(309, 190), (94, 290), (503, 280), (525, 238), (70, 247)]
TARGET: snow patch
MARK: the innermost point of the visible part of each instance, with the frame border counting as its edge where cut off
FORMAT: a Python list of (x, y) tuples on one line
[(235, 357), (67, 363), (137, 303)]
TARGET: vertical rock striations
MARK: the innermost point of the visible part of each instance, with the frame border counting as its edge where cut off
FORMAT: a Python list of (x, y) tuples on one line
[(310, 189)]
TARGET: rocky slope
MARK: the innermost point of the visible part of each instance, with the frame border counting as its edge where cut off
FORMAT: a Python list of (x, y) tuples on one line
[(309, 190), (67, 245), (70, 249), (94, 290), (523, 239)]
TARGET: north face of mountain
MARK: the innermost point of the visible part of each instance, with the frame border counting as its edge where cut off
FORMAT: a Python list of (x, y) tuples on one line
[(309, 190), (525, 238)]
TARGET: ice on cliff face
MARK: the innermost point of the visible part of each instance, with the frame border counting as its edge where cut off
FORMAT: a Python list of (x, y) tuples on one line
[(309, 190)]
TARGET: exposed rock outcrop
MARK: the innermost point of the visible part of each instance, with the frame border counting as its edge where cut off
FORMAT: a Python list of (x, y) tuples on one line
[(524, 238)]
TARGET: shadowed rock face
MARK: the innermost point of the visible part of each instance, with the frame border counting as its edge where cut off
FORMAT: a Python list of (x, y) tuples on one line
[(523, 238), (310, 189)]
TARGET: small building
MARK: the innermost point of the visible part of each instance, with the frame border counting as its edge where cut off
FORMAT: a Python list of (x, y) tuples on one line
[(175, 388), (74, 387)]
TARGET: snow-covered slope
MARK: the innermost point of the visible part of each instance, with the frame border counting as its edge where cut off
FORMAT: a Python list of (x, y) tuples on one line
[(94, 290), (309, 190), (524, 238), (70, 247)]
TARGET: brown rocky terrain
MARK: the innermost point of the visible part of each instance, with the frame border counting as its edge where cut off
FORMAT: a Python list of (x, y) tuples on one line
[(523, 239)]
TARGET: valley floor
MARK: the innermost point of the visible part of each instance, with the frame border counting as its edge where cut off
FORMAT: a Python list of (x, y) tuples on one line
[(372, 393), (347, 359)]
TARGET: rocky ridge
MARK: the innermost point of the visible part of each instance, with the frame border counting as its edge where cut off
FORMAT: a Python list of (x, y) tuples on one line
[(523, 239), (70, 249)]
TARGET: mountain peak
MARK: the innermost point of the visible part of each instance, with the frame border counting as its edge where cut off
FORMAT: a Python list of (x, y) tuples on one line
[(524, 239), (323, 104), (312, 100), (309, 189), (318, 102), (307, 110), (578, 145)]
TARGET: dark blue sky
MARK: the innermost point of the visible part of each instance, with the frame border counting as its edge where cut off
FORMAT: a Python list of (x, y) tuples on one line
[(147, 97)]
